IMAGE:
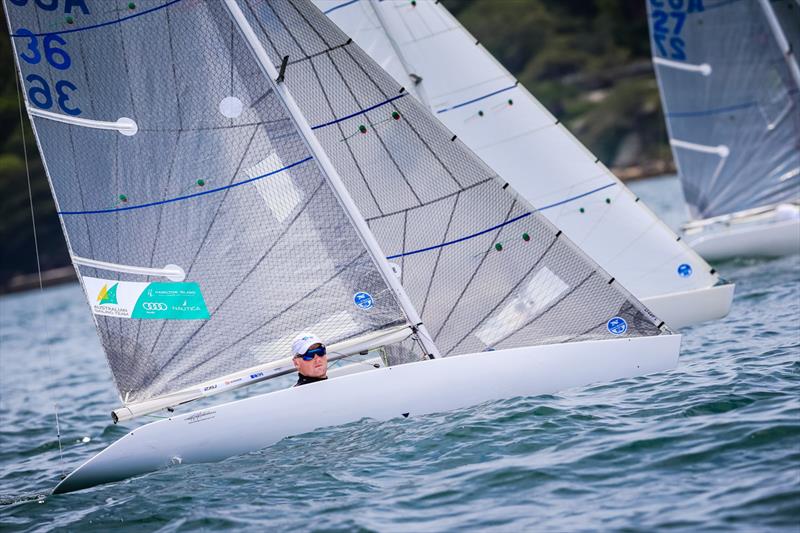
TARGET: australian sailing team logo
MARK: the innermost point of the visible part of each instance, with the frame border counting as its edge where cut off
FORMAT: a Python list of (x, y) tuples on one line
[(107, 296), (138, 300)]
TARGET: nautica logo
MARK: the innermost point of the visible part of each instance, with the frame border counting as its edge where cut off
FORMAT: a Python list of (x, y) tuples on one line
[(107, 296)]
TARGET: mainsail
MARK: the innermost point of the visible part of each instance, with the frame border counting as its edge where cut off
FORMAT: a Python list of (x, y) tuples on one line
[(731, 92), (202, 230), (430, 53), (484, 270), (206, 230)]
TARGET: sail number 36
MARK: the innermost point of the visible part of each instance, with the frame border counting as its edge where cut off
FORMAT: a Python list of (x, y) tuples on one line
[(39, 92)]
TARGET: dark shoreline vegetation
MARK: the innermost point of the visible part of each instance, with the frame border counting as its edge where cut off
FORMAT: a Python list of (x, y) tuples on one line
[(588, 61)]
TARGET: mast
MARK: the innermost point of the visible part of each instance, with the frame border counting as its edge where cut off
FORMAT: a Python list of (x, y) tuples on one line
[(783, 43), (419, 90), (329, 171)]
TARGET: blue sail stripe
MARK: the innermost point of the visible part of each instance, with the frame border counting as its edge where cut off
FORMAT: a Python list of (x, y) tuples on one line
[(506, 223), (334, 8), (186, 197), (478, 99), (707, 112), (101, 24), (351, 115)]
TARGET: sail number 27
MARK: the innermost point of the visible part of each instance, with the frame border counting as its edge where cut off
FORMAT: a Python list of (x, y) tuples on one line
[(39, 92), (667, 25)]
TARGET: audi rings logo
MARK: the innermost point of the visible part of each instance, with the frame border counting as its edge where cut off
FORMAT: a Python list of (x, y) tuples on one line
[(154, 306)]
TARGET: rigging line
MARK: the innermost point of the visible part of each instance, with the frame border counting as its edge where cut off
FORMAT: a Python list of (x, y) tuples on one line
[(478, 99), (340, 6), (351, 115), (99, 24), (188, 196), (39, 272), (356, 162), (507, 222)]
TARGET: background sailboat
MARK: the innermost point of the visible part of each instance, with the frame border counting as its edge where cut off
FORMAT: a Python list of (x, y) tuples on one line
[(730, 85), (428, 51), (230, 173)]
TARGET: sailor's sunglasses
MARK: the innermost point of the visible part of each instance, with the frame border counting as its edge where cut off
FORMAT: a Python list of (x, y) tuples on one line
[(310, 354)]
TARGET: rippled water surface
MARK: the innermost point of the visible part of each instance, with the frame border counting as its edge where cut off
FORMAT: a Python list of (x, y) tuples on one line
[(714, 444)]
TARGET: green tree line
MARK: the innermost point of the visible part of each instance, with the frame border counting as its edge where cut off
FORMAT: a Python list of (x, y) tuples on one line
[(588, 61)]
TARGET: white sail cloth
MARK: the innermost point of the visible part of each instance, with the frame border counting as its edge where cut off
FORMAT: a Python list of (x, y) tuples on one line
[(428, 51)]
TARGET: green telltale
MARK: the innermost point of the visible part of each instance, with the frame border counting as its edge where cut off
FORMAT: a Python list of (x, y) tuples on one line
[(582, 210), (123, 198), (498, 247), (395, 115), (131, 5), (480, 113), (510, 101), (413, 3), (200, 183), (526, 237), (608, 200), (70, 20), (362, 128)]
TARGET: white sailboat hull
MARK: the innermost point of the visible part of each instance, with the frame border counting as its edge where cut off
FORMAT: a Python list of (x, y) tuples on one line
[(773, 233), (686, 308), (437, 385)]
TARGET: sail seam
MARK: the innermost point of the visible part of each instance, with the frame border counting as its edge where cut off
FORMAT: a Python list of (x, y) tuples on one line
[(478, 99), (188, 196), (100, 24), (507, 222)]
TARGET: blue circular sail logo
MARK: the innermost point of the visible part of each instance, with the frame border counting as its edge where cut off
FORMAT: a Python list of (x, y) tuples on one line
[(363, 300), (684, 270), (617, 326)]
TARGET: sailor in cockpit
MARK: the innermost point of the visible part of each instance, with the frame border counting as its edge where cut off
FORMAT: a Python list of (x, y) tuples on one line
[(310, 358)]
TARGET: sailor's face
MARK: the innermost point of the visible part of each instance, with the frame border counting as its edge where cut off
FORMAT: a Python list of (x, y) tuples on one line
[(316, 368)]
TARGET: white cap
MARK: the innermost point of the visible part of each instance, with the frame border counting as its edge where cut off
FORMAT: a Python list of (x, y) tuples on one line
[(303, 342)]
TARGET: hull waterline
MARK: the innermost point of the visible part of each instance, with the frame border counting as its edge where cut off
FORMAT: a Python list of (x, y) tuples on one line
[(773, 233)]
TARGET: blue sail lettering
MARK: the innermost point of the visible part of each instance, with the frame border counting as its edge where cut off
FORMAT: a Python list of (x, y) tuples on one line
[(52, 5)]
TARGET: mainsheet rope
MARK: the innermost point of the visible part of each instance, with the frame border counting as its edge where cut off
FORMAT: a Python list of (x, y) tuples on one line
[(39, 272)]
